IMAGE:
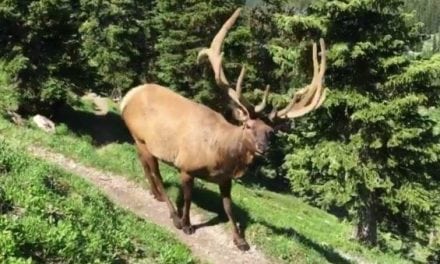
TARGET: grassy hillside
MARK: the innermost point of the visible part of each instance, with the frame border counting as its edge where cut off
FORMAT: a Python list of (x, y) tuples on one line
[(49, 216), (280, 224)]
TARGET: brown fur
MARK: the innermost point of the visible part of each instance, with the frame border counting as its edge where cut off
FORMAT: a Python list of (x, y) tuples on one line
[(196, 140), (190, 136)]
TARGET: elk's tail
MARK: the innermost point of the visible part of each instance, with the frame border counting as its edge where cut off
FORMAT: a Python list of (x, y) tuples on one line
[(126, 99)]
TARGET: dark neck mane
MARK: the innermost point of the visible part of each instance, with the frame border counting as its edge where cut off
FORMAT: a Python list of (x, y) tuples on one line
[(237, 150)]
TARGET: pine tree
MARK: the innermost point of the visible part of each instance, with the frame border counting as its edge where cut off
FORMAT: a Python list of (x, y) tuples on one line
[(434, 43), (427, 11), (38, 44), (116, 42), (182, 29), (372, 150), (52, 47)]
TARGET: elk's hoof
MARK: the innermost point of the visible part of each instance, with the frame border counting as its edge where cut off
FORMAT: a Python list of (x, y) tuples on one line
[(189, 229), (176, 221), (241, 244)]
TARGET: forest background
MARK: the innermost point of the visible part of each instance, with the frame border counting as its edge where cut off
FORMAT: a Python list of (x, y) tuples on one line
[(370, 155)]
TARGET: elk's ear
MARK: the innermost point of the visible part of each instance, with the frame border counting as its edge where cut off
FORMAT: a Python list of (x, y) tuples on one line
[(240, 115)]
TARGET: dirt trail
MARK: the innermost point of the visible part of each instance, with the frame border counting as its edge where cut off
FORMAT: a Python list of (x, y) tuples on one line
[(100, 103), (212, 244)]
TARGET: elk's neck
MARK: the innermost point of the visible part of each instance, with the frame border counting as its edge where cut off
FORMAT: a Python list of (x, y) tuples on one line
[(239, 151)]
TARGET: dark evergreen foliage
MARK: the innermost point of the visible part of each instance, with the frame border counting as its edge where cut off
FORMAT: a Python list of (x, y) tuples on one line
[(182, 29), (49, 48), (372, 150), (39, 48), (427, 11), (116, 41)]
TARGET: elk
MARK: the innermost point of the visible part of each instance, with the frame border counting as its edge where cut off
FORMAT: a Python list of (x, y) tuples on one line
[(200, 142)]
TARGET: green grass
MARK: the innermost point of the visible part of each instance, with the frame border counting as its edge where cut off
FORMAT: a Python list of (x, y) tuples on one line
[(49, 216), (8, 94), (285, 228)]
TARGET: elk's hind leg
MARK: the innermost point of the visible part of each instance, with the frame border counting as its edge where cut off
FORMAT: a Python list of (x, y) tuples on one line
[(156, 179), (148, 173)]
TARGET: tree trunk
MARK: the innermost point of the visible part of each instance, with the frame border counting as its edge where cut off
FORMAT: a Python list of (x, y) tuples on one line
[(366, 229)]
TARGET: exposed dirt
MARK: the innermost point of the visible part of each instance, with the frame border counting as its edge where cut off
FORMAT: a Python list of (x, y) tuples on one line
[(100, 103), (212, 244)]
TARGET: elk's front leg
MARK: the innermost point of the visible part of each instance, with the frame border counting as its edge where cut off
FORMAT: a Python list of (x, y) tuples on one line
[(187, 186), (225, 190)]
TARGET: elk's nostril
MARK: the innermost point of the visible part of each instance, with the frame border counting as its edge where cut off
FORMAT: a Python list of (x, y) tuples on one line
[(262, 147)]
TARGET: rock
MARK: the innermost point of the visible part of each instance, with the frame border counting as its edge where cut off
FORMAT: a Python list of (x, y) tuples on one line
[(44, 123)]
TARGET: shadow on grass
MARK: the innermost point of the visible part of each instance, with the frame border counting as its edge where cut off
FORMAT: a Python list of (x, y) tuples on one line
[(255, 179), (266, 171), (103, 129), (330, 255), (211, 202)]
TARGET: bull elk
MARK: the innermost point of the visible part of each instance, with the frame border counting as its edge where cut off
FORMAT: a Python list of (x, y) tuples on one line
[(199, 141)]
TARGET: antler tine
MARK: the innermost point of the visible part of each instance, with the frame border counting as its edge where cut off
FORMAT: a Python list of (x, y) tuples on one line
[(313, 95), (236, 94), (301, 97), (215, 57), (242, 102), (322, 71), (260, 107), (214, 53), (323, 59), (238, 86)]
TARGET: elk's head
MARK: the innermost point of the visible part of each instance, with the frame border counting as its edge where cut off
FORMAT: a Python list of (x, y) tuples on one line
[(257, 131)]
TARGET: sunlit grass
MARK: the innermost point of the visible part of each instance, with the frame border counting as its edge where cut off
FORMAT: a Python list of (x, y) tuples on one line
[(50, 216), (283, 226)]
